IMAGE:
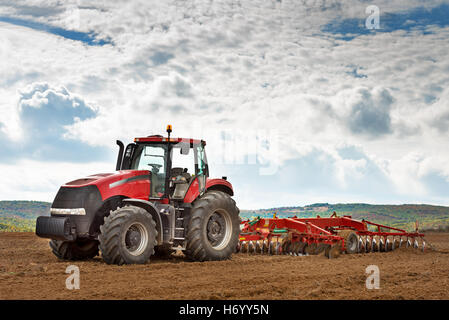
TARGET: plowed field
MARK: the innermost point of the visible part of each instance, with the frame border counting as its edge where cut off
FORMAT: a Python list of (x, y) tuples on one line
[(28, 270)]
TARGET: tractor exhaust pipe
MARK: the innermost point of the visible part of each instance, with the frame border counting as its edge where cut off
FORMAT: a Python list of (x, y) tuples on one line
[(120, 155)]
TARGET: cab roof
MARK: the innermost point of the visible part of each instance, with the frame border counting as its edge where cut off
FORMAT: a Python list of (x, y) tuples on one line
[(159, 138)]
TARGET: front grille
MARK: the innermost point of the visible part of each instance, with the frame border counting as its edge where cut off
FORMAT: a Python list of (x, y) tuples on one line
[(88, 198), (82, 197)]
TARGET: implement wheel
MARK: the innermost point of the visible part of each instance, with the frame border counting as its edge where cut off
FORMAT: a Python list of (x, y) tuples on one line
[(351, 241)]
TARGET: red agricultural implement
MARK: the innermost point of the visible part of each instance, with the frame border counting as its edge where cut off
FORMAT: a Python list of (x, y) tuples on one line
[(333, 235)]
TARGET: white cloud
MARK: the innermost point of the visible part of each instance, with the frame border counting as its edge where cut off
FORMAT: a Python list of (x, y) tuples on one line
[(39, 180), (241, 65)]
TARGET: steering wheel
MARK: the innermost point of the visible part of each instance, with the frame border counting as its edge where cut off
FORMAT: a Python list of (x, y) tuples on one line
[(155, 167)]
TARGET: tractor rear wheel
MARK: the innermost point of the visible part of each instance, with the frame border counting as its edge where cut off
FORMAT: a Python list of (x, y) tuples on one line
[(76, 250), (128, 236), (214, 227)]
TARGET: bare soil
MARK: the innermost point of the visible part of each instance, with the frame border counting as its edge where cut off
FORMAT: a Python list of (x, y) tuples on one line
[(28, 270)]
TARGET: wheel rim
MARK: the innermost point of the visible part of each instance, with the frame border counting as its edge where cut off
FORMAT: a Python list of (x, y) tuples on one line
[(136, 239), (219, 228)]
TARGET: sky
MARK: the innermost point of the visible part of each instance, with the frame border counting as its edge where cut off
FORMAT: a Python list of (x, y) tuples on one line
[(300, 101)]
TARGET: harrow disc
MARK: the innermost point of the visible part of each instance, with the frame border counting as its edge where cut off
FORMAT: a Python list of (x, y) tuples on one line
[(321, 248), (368, 245), (415, 244), (374, 246), (258, 248), (311, 249), (388, 245), (297, 248), (395, 244), (250, 247), (265, 246), (332, 251), (361, 245), (244, 247), (278, 248), (286, 246), (271, 246), (381, 245), (291, 249)]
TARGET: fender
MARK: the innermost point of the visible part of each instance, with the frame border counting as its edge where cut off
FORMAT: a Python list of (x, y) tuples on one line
[(211, 184), (151, 209)]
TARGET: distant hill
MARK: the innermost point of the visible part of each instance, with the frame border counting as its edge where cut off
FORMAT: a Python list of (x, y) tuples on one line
[(400, 216), (21, 215)]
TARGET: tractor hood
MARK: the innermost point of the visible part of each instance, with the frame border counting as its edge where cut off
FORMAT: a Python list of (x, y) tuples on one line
[(128, 183)]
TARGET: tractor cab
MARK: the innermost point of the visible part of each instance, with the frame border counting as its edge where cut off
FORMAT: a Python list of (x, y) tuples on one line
[(159, 199), (173, 164)]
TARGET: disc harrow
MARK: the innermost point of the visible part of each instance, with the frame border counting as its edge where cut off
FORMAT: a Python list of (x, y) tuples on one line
[(333, 235)]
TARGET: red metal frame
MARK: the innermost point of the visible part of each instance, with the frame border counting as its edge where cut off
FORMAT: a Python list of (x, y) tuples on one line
[(316, 230)]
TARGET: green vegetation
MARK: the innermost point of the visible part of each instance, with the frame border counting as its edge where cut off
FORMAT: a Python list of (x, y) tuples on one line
[(16, 225), (400, 216), (21, 216)]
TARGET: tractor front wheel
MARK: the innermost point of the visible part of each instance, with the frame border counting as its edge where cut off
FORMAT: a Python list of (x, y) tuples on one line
[(74, 250), (128, 236), (214, 227)]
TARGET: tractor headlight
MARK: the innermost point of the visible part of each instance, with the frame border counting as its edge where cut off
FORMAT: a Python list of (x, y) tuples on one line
[(71, 211)]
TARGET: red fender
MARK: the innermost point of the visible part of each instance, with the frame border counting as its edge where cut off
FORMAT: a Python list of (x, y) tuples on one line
[(211, 184)]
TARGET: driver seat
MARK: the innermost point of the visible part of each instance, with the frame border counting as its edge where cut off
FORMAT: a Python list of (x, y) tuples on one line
[(180, 172), (182, 184)]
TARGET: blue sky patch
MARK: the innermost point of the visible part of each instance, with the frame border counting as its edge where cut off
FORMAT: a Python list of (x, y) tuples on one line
[(415, 19), (89, 38)]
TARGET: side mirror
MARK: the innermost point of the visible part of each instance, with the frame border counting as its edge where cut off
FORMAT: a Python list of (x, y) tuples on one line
[(185, 150)]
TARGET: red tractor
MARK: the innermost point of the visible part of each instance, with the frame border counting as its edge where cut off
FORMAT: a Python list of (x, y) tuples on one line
[(159, 199)]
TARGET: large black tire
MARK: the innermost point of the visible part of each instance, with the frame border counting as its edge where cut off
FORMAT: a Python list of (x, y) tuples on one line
[(128, 236), (213, 229), (76, 250)]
